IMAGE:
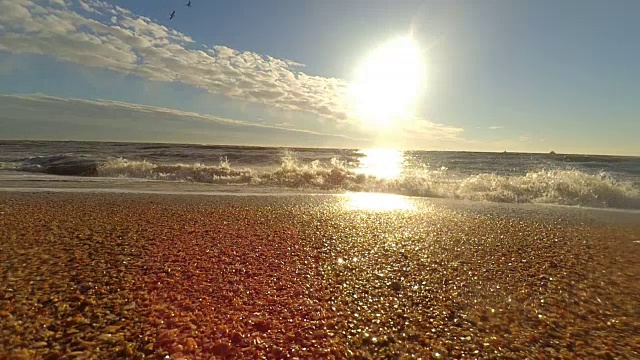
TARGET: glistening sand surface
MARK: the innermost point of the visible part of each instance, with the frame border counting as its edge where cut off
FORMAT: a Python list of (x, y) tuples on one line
[(137, 275)]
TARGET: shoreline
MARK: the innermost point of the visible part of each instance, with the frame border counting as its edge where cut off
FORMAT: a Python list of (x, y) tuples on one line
[(563, 186), (134, 275), (242, 191)]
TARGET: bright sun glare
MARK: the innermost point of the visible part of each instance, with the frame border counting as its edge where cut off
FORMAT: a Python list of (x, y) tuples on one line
[(381, 163), (378, 202), (388, 82)]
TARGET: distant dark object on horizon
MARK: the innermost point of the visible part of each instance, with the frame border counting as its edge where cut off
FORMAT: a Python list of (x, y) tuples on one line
[(172, 15), (552, 152)]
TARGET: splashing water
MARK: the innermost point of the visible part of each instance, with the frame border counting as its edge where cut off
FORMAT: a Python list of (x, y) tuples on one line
[(585, 180)]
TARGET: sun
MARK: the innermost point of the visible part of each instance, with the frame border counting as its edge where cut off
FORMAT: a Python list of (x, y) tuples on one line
[(388, 82)]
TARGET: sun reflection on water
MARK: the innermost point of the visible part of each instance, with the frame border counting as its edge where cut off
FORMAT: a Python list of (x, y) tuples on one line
[(378, 202), (382, 163)]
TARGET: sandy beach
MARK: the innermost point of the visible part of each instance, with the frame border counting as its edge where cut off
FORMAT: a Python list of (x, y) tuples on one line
[(148, 275)]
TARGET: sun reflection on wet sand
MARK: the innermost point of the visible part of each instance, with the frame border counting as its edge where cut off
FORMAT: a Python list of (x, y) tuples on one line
[(378, 202), (382, 163)]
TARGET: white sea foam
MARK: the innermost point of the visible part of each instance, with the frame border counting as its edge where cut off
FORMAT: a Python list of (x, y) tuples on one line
[(222, 174), (9, 166), (585, 180), (565, 187)]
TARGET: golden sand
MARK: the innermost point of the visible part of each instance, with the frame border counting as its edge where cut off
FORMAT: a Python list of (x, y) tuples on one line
[(135, 276)]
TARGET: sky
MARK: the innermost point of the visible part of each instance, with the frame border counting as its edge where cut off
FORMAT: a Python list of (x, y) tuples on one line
[(530, 76)]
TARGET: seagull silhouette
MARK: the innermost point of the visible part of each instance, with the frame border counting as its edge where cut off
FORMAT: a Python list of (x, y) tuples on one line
[(172, 15)]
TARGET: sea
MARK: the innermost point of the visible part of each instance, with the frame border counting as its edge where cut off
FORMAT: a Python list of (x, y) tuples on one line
[(598, 181)]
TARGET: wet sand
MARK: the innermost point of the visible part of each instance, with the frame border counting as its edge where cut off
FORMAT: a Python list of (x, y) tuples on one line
[(142, 275)]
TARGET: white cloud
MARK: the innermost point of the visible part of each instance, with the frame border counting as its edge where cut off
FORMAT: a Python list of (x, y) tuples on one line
[(137, 45), (284, 124), (427, 130), (58, 2), (59, 118), (86, 7), (523, 138), (496, 127)]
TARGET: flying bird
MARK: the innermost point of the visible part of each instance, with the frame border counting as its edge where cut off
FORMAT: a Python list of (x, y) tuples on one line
[(189, 4), (172, 15)]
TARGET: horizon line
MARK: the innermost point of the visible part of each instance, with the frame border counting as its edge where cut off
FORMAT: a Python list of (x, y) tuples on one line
[(316, 147)]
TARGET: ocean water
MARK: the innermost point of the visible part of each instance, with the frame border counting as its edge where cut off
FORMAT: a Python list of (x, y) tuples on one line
[(583, 180)]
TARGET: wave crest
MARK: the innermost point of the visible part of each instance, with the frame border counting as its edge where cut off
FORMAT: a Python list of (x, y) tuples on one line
[(565, 187), (221, 174)]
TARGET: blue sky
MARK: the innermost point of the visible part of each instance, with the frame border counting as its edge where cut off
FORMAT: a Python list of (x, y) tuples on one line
[(515, 75)]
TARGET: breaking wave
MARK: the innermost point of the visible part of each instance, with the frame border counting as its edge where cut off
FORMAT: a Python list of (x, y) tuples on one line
[(556, 186)]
